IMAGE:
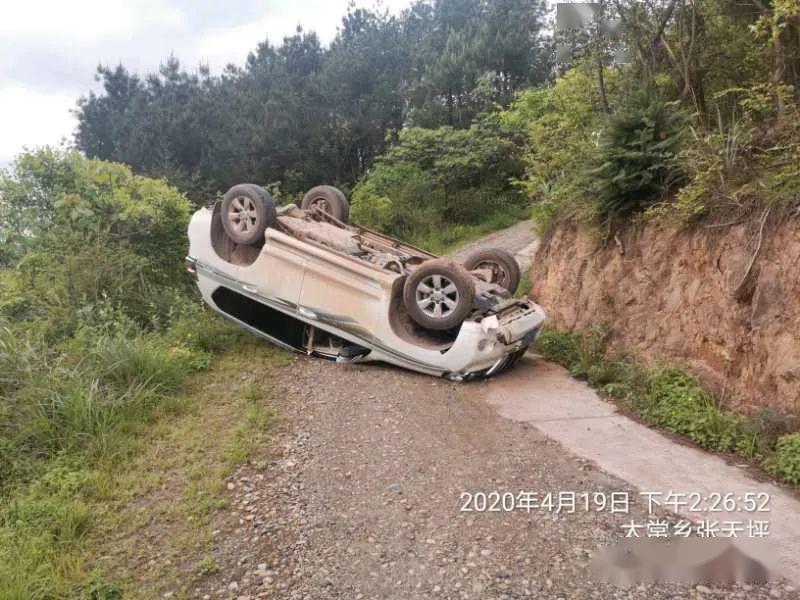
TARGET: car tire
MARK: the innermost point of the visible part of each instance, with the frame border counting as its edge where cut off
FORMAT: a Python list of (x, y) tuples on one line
[(438, 294), (504, 267), (247, 210), (329, 199)]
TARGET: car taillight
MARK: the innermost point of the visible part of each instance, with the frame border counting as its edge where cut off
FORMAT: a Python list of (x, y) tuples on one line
[(190, 264)]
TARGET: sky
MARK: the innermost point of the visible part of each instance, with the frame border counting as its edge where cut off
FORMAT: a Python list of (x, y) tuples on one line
[(49, 49)]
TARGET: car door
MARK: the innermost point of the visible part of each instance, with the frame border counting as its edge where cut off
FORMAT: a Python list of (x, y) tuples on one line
[(339, 291), (277, 274)]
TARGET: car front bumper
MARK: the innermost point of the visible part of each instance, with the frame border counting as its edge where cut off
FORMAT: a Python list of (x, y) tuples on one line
[(493, 344)]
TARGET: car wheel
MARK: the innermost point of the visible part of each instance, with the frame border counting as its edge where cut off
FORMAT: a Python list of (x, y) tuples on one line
[(247, 211), (438, 294), (503, 266), (328, 199)]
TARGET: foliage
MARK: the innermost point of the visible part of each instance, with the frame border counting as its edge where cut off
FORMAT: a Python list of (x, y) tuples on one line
[(669, 398), (559, 347), (590, 158), (561, 125), (717, 168), (87, 237), (742, 159), (678, 404), (438, 178), (303, 114), (635, 162), (786, 461), (98, 337)]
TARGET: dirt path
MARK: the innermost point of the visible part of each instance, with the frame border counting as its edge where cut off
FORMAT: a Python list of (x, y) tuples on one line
[(364, 499), (520, 240)]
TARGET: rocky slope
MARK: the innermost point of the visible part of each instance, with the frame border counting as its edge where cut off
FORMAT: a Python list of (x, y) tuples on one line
[(691, 297)]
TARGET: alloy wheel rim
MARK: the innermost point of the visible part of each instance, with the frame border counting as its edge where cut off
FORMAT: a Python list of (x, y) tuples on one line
[(322, 204), (242, 214), (437, 296)]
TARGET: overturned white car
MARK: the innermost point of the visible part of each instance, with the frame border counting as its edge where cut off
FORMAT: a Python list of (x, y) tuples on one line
[(306, 280)]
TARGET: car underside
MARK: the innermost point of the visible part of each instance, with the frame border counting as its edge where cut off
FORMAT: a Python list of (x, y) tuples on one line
[(307, 280)]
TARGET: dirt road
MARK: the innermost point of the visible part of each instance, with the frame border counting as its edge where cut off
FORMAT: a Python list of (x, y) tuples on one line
[(361, 496), (519, 240)]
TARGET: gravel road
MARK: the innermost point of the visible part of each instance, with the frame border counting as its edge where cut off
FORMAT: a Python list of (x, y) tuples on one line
[(360, 497), (362, 500)]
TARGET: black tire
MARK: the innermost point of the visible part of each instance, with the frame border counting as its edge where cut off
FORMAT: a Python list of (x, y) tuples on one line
[(504, 267), (438, 294), (247, 210), (329, 199)]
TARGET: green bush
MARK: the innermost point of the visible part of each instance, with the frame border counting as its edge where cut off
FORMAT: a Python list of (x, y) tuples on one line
[(145, 361), (97, 328), (561, 347), (85, 232), (20, 356), (581, 353), (786, 461), (436, 180), (398, 199), (196, 327), (677, 403), (560, 124), (635, 165)]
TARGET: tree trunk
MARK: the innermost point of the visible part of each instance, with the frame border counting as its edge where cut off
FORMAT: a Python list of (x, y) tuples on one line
[(601, 80), (601, 83)]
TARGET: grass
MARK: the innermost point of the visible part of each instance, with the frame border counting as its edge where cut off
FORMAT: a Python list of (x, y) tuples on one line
[(670, 399), (525, 284), (105, 443), (177, 483), (446, 239)]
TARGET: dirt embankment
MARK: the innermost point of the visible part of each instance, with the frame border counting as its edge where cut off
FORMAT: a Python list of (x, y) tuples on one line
[(691, 297)]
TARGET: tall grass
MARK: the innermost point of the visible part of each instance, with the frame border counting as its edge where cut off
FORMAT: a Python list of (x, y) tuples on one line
[(68, 411), (445, 238)]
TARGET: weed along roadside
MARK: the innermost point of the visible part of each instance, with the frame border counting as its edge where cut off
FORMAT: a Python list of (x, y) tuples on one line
[(122, 401), (128, 512), (176, 486)]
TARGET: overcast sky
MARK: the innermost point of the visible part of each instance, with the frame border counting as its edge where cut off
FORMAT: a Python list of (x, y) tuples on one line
[(49, 48)]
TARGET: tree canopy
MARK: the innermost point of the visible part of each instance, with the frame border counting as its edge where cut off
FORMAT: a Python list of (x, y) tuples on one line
[(300, 114)]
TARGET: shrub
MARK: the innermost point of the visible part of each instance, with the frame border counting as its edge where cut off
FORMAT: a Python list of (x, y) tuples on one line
[(20, 356), (82, 232), (635, 165), (716, 163), (677, 403), (147, 361), (581, 353), (61, 193), (786, 461), (398, 199), (98, 334), (560, 124), (196, 327), (435, 179), (563, 348)]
